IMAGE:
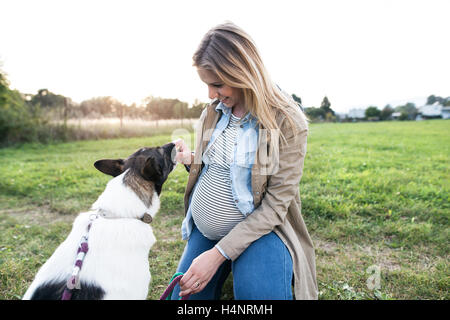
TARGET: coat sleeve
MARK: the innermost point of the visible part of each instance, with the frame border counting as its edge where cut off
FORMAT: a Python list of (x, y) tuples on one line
[(188, 166), (281, 190)]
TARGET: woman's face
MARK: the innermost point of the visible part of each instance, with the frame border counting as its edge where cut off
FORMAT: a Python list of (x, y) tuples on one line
[(229, 96)]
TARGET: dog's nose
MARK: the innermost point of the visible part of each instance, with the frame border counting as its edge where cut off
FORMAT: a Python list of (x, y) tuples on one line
[(170, 149)]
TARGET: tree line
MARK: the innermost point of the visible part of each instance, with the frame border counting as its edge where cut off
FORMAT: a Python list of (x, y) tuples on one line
[(408, 111), (31, 117), (153, 108)]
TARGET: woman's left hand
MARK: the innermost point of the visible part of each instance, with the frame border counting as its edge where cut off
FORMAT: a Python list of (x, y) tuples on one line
[(201, 271)]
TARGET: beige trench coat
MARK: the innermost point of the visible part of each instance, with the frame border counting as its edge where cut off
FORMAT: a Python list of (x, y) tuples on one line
[(276, 197)]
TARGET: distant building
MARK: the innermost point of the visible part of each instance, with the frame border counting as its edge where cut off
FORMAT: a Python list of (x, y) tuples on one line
[(396, 115), (431, 110), (435, 110), (357, 113), (445, 112)]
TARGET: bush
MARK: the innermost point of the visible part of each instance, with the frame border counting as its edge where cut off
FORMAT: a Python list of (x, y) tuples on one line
[(15, 120), (22, 122)]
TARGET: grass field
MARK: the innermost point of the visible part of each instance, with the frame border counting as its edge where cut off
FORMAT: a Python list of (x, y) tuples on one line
[(375, 199)]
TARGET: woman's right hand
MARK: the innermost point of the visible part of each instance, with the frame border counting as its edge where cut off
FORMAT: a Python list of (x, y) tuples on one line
[(184, 154)]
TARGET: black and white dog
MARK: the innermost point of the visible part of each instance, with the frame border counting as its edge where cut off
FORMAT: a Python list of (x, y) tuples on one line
[(116, 265)]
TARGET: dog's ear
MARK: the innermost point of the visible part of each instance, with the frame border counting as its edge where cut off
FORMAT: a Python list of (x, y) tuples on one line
[(152, 170), (109, 166)]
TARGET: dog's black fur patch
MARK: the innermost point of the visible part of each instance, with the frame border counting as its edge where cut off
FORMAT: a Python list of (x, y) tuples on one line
[(153, 164), (54, 291)]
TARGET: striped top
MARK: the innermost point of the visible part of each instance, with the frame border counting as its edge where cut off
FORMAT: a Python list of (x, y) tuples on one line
[(212, 204)]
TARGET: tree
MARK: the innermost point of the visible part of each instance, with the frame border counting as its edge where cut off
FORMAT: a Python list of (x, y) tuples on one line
[(120, 109), (403, 116), (386, 113), (297, 99), (180, 110), (160, 108), (53, 105), (99, 106), (408, 111), (17, 123), (443, 101), (431, 99), (196, 110), (372, 113), (314, 113), (47, 99), (326, 106)]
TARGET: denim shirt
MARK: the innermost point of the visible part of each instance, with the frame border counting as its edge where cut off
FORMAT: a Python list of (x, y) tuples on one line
[(240, 168)]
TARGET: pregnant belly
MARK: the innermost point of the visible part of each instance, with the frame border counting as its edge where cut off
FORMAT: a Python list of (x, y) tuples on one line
[(212, 204)]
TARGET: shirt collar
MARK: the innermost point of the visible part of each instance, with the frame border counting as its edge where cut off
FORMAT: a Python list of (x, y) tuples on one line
[(227, 111)]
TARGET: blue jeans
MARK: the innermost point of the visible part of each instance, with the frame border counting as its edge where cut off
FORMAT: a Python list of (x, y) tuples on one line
[(262, 272)]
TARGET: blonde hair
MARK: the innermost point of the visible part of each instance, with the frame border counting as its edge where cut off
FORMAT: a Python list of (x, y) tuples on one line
[(231, 54)]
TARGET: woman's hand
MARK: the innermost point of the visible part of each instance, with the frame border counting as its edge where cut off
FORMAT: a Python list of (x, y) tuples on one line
[(201, 271), (184, 154)]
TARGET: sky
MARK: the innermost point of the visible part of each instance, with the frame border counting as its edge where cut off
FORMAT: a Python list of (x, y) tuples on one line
[(357, 53)]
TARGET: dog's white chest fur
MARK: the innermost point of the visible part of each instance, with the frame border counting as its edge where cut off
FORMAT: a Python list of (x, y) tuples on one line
[(119, 244)]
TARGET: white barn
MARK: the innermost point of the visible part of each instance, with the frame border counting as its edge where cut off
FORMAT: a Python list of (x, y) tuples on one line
[(435, 110)]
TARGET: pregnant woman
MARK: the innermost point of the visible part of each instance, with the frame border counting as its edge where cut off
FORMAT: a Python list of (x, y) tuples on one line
[(242, 201)]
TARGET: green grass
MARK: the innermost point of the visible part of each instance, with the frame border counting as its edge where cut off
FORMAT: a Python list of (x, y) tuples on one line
[(373, 194)]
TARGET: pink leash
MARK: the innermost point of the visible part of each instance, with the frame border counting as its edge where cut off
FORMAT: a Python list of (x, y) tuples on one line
[(167, 294), (83, 248)]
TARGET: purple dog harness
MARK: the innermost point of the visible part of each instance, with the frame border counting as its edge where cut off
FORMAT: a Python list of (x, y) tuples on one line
[(74, 280)]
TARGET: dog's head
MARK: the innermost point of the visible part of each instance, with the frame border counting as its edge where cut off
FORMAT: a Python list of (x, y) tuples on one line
[(152, 164)]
